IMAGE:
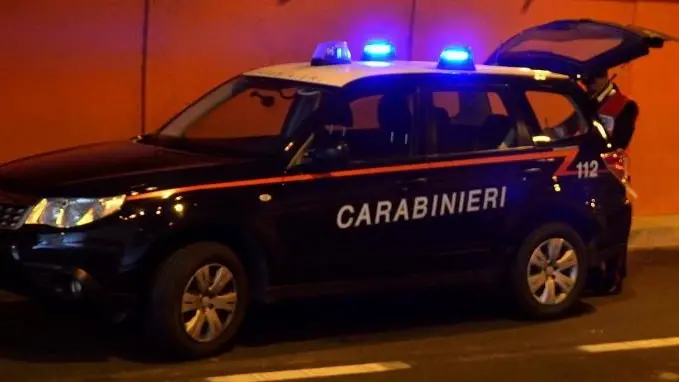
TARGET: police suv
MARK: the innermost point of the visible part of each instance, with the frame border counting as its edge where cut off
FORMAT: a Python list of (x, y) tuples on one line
[(340, 175)]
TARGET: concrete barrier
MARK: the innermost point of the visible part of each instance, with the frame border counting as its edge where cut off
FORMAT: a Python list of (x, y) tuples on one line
[(654, 232)]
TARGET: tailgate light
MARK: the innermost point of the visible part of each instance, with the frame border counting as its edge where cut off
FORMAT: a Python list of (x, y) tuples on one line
[(617, 163)]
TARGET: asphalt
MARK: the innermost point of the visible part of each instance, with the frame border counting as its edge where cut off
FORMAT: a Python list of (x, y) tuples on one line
[(460, 335)]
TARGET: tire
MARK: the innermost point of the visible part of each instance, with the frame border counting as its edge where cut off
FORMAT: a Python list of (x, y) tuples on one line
[(165, 321), (557, 304), (607, 279)]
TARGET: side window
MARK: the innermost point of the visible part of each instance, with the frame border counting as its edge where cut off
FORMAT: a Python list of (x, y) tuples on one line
[(496, 105), (467, 120), (364, 112), (557, 115), (479, 103), (371, 127)]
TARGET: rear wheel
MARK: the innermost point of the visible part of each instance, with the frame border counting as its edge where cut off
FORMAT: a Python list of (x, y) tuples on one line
[(198, 301), (549, 271)]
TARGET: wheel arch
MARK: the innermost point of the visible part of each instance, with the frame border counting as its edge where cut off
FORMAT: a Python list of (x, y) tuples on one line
[(241, 238), (581, 219)]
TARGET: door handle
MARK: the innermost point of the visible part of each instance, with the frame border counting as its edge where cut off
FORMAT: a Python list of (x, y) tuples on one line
[(532, 168), (414, 181)]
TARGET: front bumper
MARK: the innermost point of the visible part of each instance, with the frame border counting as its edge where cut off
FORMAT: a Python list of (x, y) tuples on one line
[(98, 265)]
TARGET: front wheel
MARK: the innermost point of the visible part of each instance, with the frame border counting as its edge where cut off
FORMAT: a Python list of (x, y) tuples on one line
[(198, 301), (548, 274)]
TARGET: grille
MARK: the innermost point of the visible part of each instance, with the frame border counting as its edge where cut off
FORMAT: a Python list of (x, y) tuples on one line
[(11, 217)]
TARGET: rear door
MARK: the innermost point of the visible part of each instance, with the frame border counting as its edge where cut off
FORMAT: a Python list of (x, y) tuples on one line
[(483, 167), (577, 47)]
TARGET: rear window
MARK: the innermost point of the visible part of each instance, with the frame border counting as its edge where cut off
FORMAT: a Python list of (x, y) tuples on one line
[(557, 115), (579, 41), (581, 49)]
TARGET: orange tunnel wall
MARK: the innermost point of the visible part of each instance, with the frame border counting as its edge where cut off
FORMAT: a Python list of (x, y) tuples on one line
[(71, 70)]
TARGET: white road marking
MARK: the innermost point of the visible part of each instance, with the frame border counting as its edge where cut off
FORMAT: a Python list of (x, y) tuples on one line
[(321, 372), (630, 345), (668, 376)]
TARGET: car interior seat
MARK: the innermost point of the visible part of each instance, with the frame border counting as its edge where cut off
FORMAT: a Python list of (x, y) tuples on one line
[(395, 120), (329, 123), (498, 131)]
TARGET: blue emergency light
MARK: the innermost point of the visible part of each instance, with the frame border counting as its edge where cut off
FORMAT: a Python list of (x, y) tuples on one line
[(331, 53), (379, 50), (456, 57)]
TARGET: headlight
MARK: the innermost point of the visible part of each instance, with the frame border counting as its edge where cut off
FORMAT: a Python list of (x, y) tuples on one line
[(72, 212)]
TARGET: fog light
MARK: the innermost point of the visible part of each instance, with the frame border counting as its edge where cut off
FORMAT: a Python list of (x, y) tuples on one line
[(76, 287), (15, 252)]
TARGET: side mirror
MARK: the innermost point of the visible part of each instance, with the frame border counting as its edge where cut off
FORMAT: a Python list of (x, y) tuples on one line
[(330, 157)]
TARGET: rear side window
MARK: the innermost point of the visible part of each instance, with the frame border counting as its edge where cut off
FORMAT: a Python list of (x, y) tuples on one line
[(472, 120), (557, 115)]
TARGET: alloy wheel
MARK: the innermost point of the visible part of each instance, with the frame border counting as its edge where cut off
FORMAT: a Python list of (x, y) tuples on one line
[(209, 302), (552, 271)]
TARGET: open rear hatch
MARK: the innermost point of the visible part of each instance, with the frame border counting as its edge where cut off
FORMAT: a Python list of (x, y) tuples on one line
[(586, 50), (578, 48)]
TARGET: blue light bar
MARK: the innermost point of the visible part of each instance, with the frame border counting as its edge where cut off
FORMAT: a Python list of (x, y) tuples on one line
[(456, 57), (331, 53), (379, 51)]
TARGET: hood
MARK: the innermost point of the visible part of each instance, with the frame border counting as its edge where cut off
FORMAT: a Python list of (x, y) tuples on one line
[(106, 169)]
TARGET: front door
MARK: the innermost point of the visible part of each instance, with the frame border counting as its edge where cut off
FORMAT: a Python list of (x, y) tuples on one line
[(343, 216)]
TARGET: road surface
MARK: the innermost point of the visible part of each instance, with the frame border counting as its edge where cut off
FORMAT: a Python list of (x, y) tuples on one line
[(419, 336)]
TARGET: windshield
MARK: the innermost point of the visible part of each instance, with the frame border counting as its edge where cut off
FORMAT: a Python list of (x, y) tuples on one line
[(248, 115)]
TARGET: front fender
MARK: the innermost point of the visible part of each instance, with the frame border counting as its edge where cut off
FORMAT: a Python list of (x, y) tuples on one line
[(165, 226)]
